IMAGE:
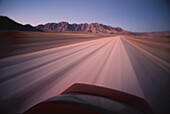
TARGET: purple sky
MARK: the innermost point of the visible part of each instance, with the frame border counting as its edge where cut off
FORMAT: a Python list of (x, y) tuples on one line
[(133, 15)]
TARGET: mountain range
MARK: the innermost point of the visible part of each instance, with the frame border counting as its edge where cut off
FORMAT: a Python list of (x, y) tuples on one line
[(85, 28), (8, 24)]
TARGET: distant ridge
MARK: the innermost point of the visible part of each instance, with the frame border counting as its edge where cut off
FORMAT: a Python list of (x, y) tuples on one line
[(8, 24), (85, 28)]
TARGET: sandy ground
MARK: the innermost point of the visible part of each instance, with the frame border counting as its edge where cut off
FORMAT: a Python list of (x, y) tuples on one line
[(17, 42), (137, 66)]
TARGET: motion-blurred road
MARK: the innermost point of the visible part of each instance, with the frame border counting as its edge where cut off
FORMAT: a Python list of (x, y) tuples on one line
[(122, 63)]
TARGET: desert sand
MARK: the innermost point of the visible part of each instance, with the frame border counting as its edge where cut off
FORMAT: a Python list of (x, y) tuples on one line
[(136, 65)]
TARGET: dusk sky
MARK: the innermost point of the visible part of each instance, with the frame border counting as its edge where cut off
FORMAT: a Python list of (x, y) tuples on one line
[(133, 15)]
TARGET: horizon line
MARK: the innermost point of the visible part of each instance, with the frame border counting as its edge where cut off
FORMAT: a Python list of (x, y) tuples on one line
[(80, 23)]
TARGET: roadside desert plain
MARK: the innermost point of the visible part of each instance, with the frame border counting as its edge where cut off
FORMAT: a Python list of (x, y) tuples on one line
[(18, 42), (35, 66)]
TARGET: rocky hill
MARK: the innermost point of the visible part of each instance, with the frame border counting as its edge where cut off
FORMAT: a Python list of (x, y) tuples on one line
[(85, 28), (8, 24)]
